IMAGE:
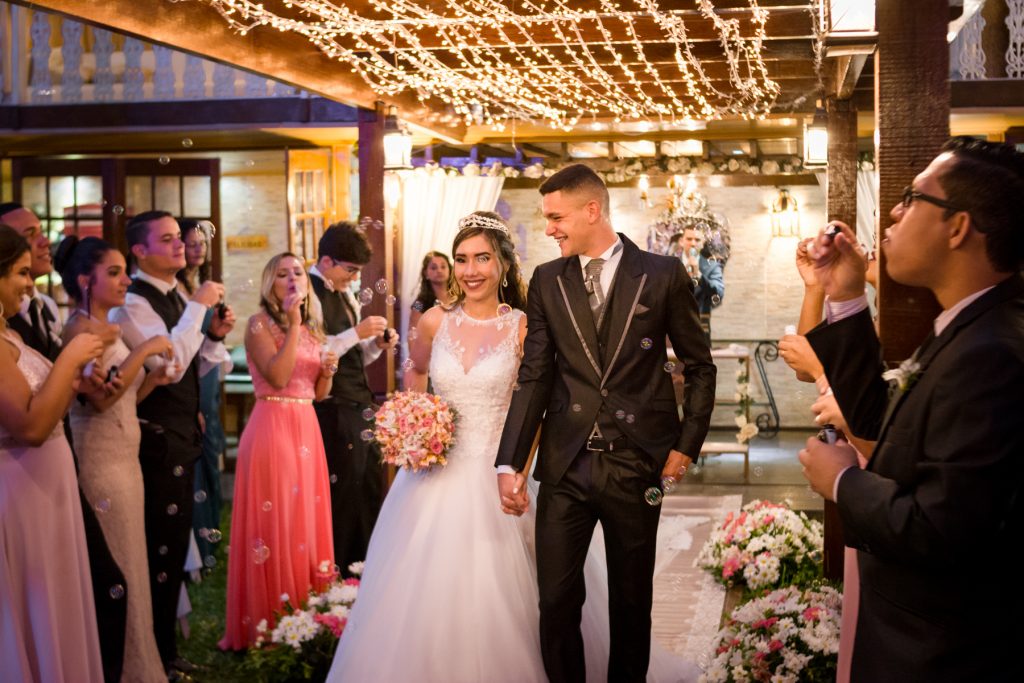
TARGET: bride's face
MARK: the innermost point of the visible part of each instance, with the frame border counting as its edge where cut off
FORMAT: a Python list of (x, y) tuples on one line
[(477, 268)]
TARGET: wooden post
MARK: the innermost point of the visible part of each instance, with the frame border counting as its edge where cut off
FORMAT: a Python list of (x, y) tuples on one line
[(371, 205), (842, 206), (912, 122)]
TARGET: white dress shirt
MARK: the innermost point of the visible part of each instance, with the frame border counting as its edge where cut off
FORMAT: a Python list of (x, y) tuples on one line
[(140, 322), (212, 354), (342, 342), (612, 255), (55, 326)]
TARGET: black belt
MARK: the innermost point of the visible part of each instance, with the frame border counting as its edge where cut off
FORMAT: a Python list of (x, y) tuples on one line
[(596, 443)]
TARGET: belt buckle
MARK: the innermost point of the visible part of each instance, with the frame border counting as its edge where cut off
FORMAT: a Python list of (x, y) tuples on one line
[(590, 447)]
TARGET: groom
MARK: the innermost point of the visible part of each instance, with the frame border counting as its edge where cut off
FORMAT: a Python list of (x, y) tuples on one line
[(594, 373)]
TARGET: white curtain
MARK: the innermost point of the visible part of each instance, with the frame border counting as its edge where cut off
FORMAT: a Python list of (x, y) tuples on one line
[(867, 206), (432, 204)]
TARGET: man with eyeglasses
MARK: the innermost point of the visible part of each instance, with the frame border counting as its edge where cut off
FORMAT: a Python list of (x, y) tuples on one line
[(936, 511), (354, 464)]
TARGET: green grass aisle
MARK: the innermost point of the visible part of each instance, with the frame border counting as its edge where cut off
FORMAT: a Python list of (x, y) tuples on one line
[(207, 622)]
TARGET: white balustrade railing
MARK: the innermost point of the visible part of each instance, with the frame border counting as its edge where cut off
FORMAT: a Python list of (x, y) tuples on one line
[(968, 60), (49, 59)]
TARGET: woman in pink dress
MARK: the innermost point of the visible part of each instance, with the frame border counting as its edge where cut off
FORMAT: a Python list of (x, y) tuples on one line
[(281, 520), (47, 615)]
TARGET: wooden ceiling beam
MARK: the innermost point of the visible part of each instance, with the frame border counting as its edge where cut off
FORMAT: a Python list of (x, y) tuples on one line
[(198, 29)]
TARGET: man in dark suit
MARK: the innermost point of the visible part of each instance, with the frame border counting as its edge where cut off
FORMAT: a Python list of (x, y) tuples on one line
[(154, 307), (39, 325), (936, 513), (594, 371), (357, 480)]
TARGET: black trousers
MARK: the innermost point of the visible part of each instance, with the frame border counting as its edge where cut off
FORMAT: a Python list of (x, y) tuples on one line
[(168, 475), (357, 478), (606, 488)]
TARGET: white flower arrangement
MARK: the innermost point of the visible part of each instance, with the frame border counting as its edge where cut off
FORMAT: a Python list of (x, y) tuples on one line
[(790, 634), (302, 639), (765, 546)]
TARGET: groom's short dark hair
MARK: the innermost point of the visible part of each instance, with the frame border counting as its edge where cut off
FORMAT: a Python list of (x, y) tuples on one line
[(343, 241), (578, 178)]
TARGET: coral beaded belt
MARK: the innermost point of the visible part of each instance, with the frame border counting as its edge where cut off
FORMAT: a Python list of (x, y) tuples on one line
[(285, 399)]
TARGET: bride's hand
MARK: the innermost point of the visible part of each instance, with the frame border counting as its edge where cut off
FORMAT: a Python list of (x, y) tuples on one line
[(512, 492)]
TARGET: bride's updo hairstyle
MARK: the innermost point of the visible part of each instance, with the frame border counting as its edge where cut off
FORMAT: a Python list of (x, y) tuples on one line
[(496, 231)]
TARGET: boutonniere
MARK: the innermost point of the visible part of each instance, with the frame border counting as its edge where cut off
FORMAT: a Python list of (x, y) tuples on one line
[(905, 376)]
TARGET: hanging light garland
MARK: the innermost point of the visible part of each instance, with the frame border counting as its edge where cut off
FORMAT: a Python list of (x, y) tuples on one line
[(484, 59)]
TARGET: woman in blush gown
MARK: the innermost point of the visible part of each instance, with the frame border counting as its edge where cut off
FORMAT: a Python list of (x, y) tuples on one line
[(449, 588), (107, 436), (47, 615), (281, 540)]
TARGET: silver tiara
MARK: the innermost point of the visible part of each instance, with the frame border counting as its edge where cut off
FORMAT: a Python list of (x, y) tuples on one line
[(475, 220)]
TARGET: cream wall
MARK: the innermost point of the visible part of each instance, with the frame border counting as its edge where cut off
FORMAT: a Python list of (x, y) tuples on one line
[(763, 291)]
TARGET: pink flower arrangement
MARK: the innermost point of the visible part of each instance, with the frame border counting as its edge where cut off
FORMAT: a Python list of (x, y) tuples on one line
[(414, 430)]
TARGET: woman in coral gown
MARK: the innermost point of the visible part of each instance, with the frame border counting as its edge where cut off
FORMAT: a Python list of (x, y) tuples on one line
[(47, 615), (281, 520)]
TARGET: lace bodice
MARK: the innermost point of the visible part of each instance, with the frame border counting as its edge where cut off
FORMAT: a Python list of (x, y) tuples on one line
[(123, 411), (473, 366), (35, 368), (302, 383)]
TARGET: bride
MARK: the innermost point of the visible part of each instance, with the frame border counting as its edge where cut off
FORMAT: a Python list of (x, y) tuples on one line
[(449, 592)]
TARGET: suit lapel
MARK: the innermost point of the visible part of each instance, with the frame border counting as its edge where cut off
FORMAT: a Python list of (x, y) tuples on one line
[(1008, 289), (575, 298), (625, 293)]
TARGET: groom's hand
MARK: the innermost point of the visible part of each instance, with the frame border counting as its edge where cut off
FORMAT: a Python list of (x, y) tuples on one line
[(676, 465), (513, 495)]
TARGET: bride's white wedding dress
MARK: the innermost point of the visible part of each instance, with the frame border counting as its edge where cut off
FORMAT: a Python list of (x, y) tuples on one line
[(449, 592)]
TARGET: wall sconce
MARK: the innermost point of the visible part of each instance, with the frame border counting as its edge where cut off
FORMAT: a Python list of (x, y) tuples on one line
[(785, 215), (397, 142), (816, 140)]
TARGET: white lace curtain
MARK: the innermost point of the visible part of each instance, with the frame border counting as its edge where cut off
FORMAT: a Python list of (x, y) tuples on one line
[(432, 204)]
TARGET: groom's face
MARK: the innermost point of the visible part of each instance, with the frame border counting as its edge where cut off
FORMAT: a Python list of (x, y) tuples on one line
[(571, 219)]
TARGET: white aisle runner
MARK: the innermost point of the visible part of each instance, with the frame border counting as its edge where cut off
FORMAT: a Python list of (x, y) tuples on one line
[(687, 601)]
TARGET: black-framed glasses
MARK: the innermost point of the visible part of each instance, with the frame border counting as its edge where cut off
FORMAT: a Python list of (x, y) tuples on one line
[(910, 194), (352, 270)]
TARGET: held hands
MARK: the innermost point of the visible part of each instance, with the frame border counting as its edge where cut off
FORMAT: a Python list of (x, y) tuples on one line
[(387, 340), (826, 411), (839, 263), (823, 462), (515, 499), (371, 326), (83, 348), (805, 264)]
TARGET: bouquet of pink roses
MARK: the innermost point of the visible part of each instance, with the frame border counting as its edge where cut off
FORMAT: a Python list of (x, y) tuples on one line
[(414, 430)]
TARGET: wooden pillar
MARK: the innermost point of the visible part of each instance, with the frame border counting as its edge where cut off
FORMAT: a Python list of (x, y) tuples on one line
[(842, 206), (995, 38), (912, 122), (371, 205)]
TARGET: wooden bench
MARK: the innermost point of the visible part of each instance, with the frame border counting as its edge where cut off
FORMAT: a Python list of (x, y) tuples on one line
[(723, 447)]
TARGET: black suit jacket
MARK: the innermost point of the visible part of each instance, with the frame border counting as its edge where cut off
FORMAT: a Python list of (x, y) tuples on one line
[(567, 374), (937, 511)]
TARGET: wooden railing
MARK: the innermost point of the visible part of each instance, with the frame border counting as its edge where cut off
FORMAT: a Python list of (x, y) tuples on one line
[(49, 59)]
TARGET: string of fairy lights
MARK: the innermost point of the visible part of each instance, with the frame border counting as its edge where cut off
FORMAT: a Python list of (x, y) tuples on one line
[(493, 61)]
